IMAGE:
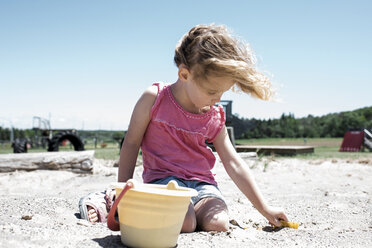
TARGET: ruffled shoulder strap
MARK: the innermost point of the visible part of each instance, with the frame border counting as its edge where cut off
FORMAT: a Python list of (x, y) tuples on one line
[(161, 91)]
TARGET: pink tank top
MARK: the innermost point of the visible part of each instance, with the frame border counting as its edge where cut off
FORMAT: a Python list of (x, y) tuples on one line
[(174, 142)]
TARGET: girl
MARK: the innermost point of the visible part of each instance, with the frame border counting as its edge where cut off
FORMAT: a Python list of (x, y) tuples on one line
[(170, 123)]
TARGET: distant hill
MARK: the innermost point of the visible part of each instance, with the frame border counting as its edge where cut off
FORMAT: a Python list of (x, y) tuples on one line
[(287, 126)]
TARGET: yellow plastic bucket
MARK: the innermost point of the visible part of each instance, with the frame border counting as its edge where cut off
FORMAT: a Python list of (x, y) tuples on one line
[(150, 215)]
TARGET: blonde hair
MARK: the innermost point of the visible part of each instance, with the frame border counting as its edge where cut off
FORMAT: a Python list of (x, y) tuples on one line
[(211, 50)]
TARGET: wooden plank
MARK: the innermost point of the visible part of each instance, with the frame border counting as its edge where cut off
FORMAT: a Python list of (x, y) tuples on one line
[(280, 150), (77, 161)]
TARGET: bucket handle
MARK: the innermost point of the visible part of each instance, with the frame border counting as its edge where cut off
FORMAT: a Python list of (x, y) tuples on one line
[(112, 224)]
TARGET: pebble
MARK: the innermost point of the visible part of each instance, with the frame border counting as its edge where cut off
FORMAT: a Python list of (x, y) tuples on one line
[(26, 217)]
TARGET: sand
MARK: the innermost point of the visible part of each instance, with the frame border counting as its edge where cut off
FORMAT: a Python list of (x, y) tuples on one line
[(331, 199)]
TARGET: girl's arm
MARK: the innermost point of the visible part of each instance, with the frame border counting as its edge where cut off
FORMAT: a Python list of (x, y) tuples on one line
[(137, 128), (239, 172)]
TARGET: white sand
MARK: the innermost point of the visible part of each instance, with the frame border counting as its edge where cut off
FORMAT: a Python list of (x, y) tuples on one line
[(332, 200)]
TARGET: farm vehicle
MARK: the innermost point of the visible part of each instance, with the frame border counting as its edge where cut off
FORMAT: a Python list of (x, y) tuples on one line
[(47, 137)]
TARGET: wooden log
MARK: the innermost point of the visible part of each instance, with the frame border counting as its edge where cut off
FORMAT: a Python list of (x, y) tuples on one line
[(76, 161), (279, 150)]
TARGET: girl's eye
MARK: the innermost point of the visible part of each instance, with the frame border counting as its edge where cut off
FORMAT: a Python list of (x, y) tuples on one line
[(212, 93)]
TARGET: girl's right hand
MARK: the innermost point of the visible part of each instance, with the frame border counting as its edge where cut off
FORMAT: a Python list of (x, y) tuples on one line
[(274, 216)]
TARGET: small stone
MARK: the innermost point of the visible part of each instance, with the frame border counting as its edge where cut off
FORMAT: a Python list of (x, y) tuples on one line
[(26, 217), (237, 223)]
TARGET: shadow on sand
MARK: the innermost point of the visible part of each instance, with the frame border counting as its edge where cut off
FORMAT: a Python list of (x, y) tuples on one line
[(110, 241), (272, 229)]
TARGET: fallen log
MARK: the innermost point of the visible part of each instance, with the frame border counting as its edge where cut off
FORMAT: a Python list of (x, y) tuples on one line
[(279, 150), (76, 161)]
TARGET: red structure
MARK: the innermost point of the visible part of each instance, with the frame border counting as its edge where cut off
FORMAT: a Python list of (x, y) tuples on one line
[(353, 141)]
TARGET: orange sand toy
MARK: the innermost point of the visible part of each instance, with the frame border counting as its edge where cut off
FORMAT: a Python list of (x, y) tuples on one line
[(150, 215), (293, 225)]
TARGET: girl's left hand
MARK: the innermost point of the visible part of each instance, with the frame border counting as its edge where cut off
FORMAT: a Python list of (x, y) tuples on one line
[(274, 216)]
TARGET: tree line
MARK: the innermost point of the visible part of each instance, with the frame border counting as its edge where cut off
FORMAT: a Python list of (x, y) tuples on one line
[(287, 126), (5, 133)]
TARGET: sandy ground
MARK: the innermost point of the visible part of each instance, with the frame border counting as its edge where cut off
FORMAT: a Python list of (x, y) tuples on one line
[(332, 201)]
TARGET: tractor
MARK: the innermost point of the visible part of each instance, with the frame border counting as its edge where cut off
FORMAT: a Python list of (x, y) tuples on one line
[(48, 138)]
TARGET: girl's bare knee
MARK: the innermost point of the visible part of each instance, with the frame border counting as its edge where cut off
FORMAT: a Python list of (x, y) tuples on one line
[(222, 223), (212, 215), (219, 223)]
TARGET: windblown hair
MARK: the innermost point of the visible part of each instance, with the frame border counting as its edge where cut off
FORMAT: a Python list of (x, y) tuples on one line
[(208, 50)]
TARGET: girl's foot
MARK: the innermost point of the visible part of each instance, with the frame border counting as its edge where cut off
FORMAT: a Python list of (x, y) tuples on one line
[(95, 206), (92, 215)]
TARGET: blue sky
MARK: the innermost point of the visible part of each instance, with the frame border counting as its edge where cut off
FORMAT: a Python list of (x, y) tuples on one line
[(83, 64)]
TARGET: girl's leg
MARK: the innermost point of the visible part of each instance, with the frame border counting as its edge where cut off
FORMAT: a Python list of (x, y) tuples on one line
[(212, 215), (189, 224)]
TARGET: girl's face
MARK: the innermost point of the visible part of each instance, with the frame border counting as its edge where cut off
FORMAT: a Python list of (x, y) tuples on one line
[(207, 92)]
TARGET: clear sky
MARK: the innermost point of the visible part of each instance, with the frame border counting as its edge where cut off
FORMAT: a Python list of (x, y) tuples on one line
[(83, 64)]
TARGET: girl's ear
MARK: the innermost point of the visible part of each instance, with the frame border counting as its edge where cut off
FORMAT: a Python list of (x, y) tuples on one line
[(183, 72)]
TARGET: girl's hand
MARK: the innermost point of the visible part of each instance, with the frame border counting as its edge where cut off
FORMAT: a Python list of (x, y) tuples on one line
[(274, 216)]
